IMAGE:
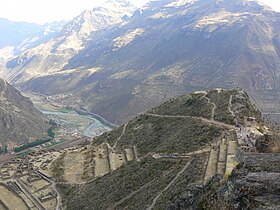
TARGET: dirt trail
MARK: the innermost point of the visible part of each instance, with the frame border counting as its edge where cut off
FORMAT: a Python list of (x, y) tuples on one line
[(180, 156), (229, 107), (129, 196), (123, 132), (213, 109), (230, 110), (220, 124), (169, 185)]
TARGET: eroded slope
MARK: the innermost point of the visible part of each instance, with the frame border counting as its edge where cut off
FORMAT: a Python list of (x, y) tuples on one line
[(20, 121)]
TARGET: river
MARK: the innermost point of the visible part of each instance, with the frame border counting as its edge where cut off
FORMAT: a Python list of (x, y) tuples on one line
[(71, 121)]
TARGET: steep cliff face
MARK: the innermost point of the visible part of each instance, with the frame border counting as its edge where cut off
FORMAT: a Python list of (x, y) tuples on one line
[(20, 122), (253, 185)]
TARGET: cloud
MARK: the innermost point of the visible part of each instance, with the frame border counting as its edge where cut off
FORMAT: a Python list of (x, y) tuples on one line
[(42, 11), (274, 4)]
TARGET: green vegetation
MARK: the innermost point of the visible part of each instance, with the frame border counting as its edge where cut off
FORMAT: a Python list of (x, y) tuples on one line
[(193, 176), (135, 185), (163, 135), (221, 100), (38, 142), (64, 110), (52, 143), (32, 144), (188, 105), (4, 149), (246, 108), (24, 153), (51, 132), (147, 178), (57, 168)]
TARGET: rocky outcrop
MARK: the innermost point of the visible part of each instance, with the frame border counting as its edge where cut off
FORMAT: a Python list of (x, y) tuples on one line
[(255, 184)]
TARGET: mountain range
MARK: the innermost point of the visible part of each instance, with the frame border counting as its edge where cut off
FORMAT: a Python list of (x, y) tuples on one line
[(124, 62), (208, 149)]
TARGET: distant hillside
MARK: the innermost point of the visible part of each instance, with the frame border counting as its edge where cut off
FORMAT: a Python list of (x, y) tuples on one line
[(20, 122), (174, 146)]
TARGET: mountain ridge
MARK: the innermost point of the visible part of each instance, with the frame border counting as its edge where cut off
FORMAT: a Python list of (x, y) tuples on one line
[(186, 156), (51, 57)]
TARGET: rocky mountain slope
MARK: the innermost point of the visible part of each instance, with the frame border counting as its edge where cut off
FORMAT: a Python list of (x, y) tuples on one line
[(165, 49), (51, 57), (17, 37), (169, 157), (20, 122), (253, 185)]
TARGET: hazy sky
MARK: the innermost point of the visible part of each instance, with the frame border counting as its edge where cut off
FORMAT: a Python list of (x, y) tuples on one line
[(41, 11)]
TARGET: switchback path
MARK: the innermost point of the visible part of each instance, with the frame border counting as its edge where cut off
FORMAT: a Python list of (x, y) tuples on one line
[(169, 185)]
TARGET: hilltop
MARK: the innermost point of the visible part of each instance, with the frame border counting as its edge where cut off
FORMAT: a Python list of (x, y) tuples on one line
[(165, 158)]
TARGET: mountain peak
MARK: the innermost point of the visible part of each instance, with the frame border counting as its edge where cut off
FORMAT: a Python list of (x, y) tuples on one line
[(123, 3)]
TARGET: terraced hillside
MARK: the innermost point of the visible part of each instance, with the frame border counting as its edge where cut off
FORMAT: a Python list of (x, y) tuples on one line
[(180, 145)]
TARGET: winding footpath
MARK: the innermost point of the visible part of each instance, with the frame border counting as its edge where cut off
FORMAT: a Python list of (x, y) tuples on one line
[(123, 132), (213, 109), (230, 110), (217, 123), (229, 106), (211, 121)]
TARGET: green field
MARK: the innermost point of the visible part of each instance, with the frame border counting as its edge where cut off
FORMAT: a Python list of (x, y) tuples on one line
[(53, 143), (24, 153), (64, 110)]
